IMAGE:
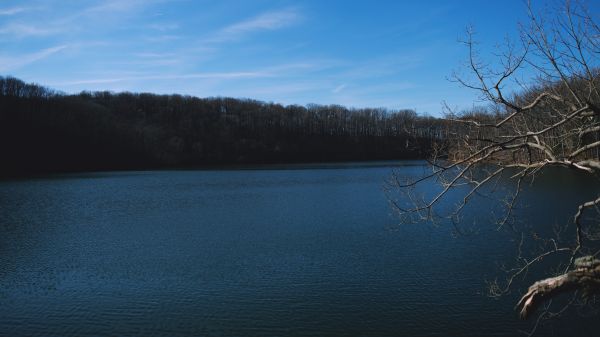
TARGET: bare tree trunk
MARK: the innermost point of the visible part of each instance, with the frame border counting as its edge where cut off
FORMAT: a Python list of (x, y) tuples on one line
[(585, 277)]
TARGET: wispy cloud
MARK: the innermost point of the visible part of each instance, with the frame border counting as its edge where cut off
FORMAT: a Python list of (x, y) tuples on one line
[(163, 38), (151, 58), (385, 66), (112, 6), (89, 17), (120, 7), (13, 10), (151, 55), (19, 30), (339, 88), (267, 21), (164, 27), (10, 63), (283, 88), (223, 75)]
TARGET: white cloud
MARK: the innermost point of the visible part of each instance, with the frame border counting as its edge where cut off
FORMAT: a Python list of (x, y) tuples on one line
[(115, 6), (19, 30), (281, 70), (151, 55), (120, 6), (10, 63), (283, 88), (339, 88), (164, 27), (266, 21), (89, 17), (224, 75), (12, 10), (163, 38)]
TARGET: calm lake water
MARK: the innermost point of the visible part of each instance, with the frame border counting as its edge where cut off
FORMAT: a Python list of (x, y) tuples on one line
[(289, 251)]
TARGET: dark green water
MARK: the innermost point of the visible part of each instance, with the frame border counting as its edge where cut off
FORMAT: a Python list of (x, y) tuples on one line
[(308, 251)]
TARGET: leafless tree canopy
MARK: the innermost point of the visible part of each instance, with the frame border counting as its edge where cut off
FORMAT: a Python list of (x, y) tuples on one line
[(552, 119)]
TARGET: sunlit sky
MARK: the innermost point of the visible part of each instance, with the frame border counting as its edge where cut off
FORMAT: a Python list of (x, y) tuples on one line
[(394, 54)]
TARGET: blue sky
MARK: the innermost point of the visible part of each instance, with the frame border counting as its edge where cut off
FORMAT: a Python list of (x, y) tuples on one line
[(394, 54)]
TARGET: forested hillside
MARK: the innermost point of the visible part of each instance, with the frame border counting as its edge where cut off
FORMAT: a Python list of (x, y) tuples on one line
[(42, 131)]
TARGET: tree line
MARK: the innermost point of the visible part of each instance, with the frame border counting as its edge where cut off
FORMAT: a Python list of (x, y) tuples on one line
[(43, 130)]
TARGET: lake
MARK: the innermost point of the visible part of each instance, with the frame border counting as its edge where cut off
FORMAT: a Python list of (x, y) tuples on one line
[(300, 250)]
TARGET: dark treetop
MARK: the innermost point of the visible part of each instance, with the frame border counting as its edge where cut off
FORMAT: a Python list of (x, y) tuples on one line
[(44, 131)]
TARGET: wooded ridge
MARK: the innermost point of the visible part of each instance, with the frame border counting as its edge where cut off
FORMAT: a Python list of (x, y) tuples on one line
[(42, 130)]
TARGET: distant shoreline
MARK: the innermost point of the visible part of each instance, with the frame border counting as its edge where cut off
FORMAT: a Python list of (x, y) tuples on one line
[(349, 164), (44, 131)]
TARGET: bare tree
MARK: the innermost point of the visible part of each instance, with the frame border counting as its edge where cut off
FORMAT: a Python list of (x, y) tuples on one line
[(550, 120)]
